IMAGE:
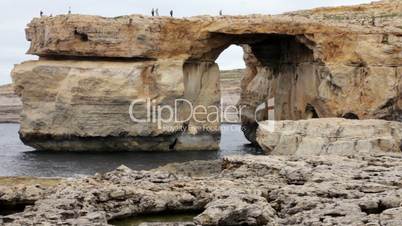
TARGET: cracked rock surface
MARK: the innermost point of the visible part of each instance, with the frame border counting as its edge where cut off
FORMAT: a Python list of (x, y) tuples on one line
[(244, 190)]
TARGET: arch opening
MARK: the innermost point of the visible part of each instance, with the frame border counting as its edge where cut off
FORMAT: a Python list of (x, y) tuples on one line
[(232, 67), (281, 71)]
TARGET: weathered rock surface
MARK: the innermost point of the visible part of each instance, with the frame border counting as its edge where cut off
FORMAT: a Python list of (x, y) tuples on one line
[(328, 62), (363, 189), (18, 192), (85, 105), (165, 37), (10, 105), (329, 136)]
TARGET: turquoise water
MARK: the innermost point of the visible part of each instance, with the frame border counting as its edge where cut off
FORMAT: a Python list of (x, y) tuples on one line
[(16, 159)]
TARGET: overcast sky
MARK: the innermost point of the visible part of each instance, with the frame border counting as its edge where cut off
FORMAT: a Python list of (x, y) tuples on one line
[(15, 14)]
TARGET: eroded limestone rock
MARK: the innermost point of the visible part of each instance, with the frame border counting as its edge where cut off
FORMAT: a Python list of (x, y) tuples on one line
[(234, 208), (18, 192), (257, 190), (329, 136), (85, 105), (328, 62)]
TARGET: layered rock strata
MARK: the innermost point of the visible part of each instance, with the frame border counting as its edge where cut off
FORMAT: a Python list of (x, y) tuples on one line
[(328, 62), (10, 105), (241, 190), (106, 106), (329, 136)]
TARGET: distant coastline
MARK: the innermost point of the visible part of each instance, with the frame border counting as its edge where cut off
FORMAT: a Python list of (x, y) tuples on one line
[(10, 105)]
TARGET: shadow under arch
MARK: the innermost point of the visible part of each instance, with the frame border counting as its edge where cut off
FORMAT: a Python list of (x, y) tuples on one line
[(279, 66)]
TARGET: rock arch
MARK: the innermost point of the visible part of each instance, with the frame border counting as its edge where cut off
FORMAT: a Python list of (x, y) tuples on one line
[(91, 68), (279, 66)]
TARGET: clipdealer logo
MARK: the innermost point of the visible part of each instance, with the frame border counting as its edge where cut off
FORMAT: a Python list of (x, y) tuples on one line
[(171, 114)]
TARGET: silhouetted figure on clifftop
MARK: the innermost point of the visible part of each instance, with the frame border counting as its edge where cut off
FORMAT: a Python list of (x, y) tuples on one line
[(171, 13)]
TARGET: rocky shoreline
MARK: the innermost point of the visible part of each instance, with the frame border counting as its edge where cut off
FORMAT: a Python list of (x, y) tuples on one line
[(332, 76), (238, 190), (18, 192)]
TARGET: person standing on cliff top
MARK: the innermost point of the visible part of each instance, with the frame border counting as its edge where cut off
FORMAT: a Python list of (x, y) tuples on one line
[(157, 12), (41, 13), (171, 13), (220, 13), (153, 12)]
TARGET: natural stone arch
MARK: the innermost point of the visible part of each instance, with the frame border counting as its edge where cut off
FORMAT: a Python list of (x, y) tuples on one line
[(75, 97), (278, 66)]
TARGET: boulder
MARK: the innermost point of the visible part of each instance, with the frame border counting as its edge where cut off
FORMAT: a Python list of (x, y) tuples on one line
[(329, 136), (234, 208)]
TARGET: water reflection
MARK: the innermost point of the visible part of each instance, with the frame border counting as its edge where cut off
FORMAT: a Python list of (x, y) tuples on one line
[(17, 159)]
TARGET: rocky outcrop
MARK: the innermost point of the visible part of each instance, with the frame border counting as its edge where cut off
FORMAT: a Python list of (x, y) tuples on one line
[(360, 189), (18, 192), (329, 62), (85, 105), (10, 105), (329, 136)]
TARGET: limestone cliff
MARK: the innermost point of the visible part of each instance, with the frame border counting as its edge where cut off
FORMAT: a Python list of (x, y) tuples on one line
[(84, 105), (328, 62)]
